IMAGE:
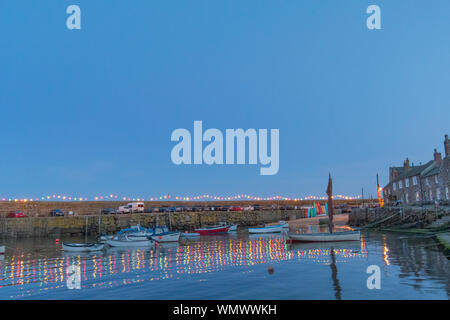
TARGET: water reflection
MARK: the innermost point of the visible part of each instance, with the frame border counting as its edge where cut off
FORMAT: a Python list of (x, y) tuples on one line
[(31, 270)]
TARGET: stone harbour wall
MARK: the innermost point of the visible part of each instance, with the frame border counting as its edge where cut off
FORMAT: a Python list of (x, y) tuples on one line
[(76, 225), (409, 217)]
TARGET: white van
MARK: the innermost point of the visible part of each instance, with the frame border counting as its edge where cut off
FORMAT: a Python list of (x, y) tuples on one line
[(132, 207)]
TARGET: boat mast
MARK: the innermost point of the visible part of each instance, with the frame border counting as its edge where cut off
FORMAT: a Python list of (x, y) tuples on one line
[(330, 203)]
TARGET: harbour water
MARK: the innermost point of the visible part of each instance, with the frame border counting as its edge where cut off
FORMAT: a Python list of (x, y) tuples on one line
[(232, 266)]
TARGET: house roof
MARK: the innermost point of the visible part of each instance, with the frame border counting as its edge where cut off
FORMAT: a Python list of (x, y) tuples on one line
[(432, 172), (414, 171)]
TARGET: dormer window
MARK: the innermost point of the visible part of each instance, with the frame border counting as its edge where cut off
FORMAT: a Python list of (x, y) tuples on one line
[(407, 182), (400, 184), (394, 186)]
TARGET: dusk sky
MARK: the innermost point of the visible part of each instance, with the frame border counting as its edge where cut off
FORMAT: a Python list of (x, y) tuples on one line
[(90, 112)]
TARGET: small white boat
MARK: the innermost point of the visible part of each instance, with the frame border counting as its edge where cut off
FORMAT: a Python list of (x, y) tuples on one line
[(190, 235), (105, 237), (324, 237), (135, 237), (82, 247), (266, 229), (128, 242), (2, 249), (166, 237), (284, 223)]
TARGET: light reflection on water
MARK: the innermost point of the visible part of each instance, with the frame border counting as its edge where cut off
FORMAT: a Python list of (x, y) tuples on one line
[(229, 267)]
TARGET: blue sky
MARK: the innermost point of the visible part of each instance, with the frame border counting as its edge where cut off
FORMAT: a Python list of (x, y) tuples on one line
[(90, 111)]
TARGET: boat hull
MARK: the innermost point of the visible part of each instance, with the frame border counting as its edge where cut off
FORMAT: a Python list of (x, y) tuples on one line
[(208, 231), (2, 249), (167, 237), (268, 229), (324, 237), (129, 243), (81, 247)]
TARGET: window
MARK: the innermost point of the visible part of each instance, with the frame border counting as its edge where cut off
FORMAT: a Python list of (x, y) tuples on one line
[(395, 186), (407, 197), (414, 180), (400, 184), (417, 196), (407, 182), (446, 193), (436, 179), (427, 181), (438, 194), (431, 194)]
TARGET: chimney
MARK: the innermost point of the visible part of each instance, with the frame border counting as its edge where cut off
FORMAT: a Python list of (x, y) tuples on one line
[(406, 164), (447, 146), (437, 157)]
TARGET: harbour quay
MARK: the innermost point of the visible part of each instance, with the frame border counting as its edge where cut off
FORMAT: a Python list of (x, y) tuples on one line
[(86, 216)]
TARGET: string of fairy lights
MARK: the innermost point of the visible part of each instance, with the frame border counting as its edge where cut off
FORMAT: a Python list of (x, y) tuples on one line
[(168, 197)]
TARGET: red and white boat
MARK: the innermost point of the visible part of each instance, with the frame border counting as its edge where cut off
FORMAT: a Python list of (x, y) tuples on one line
[(212, 230)]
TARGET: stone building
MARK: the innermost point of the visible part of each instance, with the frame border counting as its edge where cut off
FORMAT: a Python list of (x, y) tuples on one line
[(422, 183)]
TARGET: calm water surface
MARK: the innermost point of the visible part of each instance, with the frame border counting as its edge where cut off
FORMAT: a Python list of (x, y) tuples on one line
[(233, 266)]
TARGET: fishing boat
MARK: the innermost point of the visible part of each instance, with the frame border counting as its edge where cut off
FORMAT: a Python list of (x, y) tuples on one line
[(266, 229), (157, 233), (329, 236), (212, 230), (284, 223), (82, 247), (166, 236), (323, 236), (129, 242), (233, 227), (2, 249)]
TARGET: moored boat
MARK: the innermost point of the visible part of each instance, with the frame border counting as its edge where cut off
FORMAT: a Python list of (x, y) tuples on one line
[(266, 229), (284, 223), (166, 236), (2, 249), (82, 247), (128, 242), (323, 236), (233, 227), (212, 230)]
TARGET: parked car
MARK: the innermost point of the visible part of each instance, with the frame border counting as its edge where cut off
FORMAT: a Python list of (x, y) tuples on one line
[(226, 208), (123, 209), (237, 208), (16, 214), (151, 210), (163, 209), (56, 213), (108, 211)]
